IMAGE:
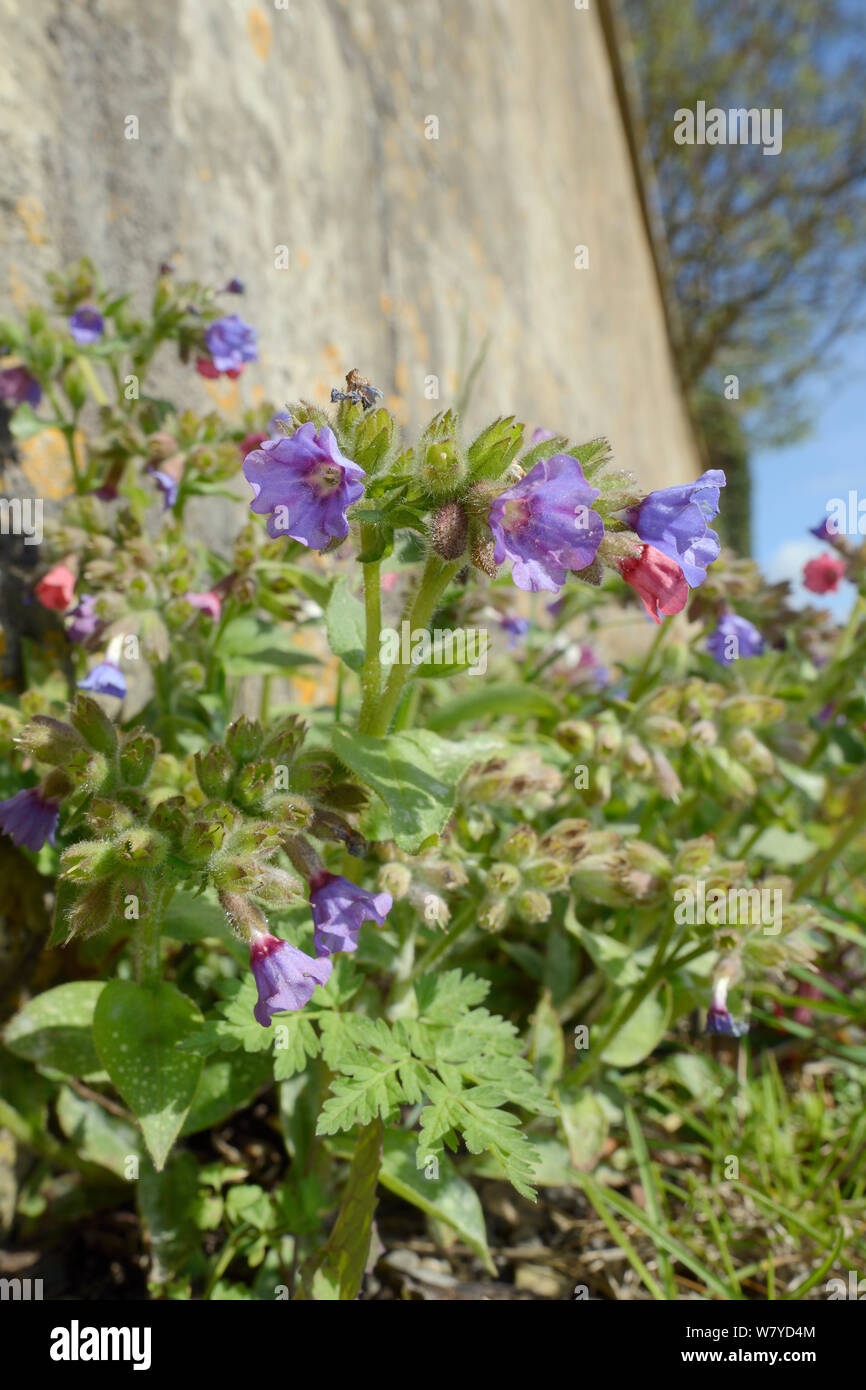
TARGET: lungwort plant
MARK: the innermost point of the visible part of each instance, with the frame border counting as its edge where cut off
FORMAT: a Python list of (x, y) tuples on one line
[(347, 823)]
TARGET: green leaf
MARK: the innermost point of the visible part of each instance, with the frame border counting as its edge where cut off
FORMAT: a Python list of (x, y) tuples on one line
[(136, 1031), (584, 1124), (489, 700), (346, 624), (249, 647), (166, 1205), (642, 1033), (546, 1043), (619, 962), (227, 1083), (25, 423), (415, 773), (98, 1136), (446, 1197), (783, 847), (335, 1273), (55, 1028)]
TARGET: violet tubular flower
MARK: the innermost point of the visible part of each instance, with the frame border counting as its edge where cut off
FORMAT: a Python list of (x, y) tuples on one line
[(18, 387), (83, 623), (29, 818), (86, 325), (734, 638), (544, 524), (304, 485), (340, 908), (674, 521), (105, 679), (285, 976), (720, 1022), (231, 343)]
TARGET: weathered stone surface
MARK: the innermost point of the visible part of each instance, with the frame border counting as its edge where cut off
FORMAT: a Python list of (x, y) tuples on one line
[(305, 127)]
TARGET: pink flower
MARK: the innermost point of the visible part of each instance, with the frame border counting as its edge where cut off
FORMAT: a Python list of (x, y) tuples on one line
[(822, 575), (657, 580), (56, 589), (209, 603)]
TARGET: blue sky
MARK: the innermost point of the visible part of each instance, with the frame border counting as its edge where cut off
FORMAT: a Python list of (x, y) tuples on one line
[(792, 486)]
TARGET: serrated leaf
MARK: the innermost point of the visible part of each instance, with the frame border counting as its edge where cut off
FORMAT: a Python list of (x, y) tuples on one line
[(136, 1031)]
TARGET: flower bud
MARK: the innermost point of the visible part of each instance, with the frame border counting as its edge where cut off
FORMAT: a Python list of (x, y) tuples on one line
[(667, 780), (565, 840), (503, 878), (547, 873), (704, 732), (635, 758), (493, 915), (575, 735), (694, 855), (608, 737), (533, 906), (448, 530), (600, 788), (597, 877), (519, 845), (137, 756), (660, 729), (395, 878), (730, 776), (214, 769), (243, 739), (481, 555), (50, 740), (752, 753), (752, 709), (443, 472)]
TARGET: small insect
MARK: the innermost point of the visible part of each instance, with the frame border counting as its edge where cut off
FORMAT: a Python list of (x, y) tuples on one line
[(358, 391)]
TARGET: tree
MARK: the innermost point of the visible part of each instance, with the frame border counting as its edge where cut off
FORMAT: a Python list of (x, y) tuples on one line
[(766, 253)]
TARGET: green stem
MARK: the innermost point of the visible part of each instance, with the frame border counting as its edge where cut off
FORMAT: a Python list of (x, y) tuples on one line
[(371, 674), (641, 680), (463, 921), (67, 429), (435, 579), (820, 863)]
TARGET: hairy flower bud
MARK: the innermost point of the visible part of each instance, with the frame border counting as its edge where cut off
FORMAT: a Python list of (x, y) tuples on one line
[(503, 878), (244, 738), (481, 555), (533, 906), (448, 530), (137, 756), (93, 725), (694, 855), (754, 755), (214, 769), (575, 735), (658, 728), (443, 471), (667, 780), (635, 758), (396, 879), (50, 740), (519, 845)]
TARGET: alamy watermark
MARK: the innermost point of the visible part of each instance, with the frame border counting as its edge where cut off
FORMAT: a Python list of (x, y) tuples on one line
[(737, 126), (462, 646), (720, 907), (22, 516)]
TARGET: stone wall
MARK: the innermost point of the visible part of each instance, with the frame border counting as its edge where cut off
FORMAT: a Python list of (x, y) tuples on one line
[(306, 126)]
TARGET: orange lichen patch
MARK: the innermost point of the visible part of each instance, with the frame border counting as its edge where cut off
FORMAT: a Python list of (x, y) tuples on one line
[(386, 303), (302, 257), (259, 32), (331, 353), (204, 173), (29, 208), (401, 378), (46, 465), (225, 394), (18, 291), (257, 395)]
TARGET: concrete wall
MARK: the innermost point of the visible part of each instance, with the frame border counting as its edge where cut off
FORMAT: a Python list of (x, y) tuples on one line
[(305, 126)]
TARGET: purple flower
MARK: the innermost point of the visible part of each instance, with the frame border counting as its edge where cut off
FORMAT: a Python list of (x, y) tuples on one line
[(86, 325), (306, 483), (544, 524), (105, 679), (674, 521), (274, 430), (734, 637), (720, 1023), (84, 622), (29, 818), (167, 485), (234, 286), (540, 435), (824, 530), (18, 386), (339, 907), (285, 977), (231, 343), (516, 628)]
